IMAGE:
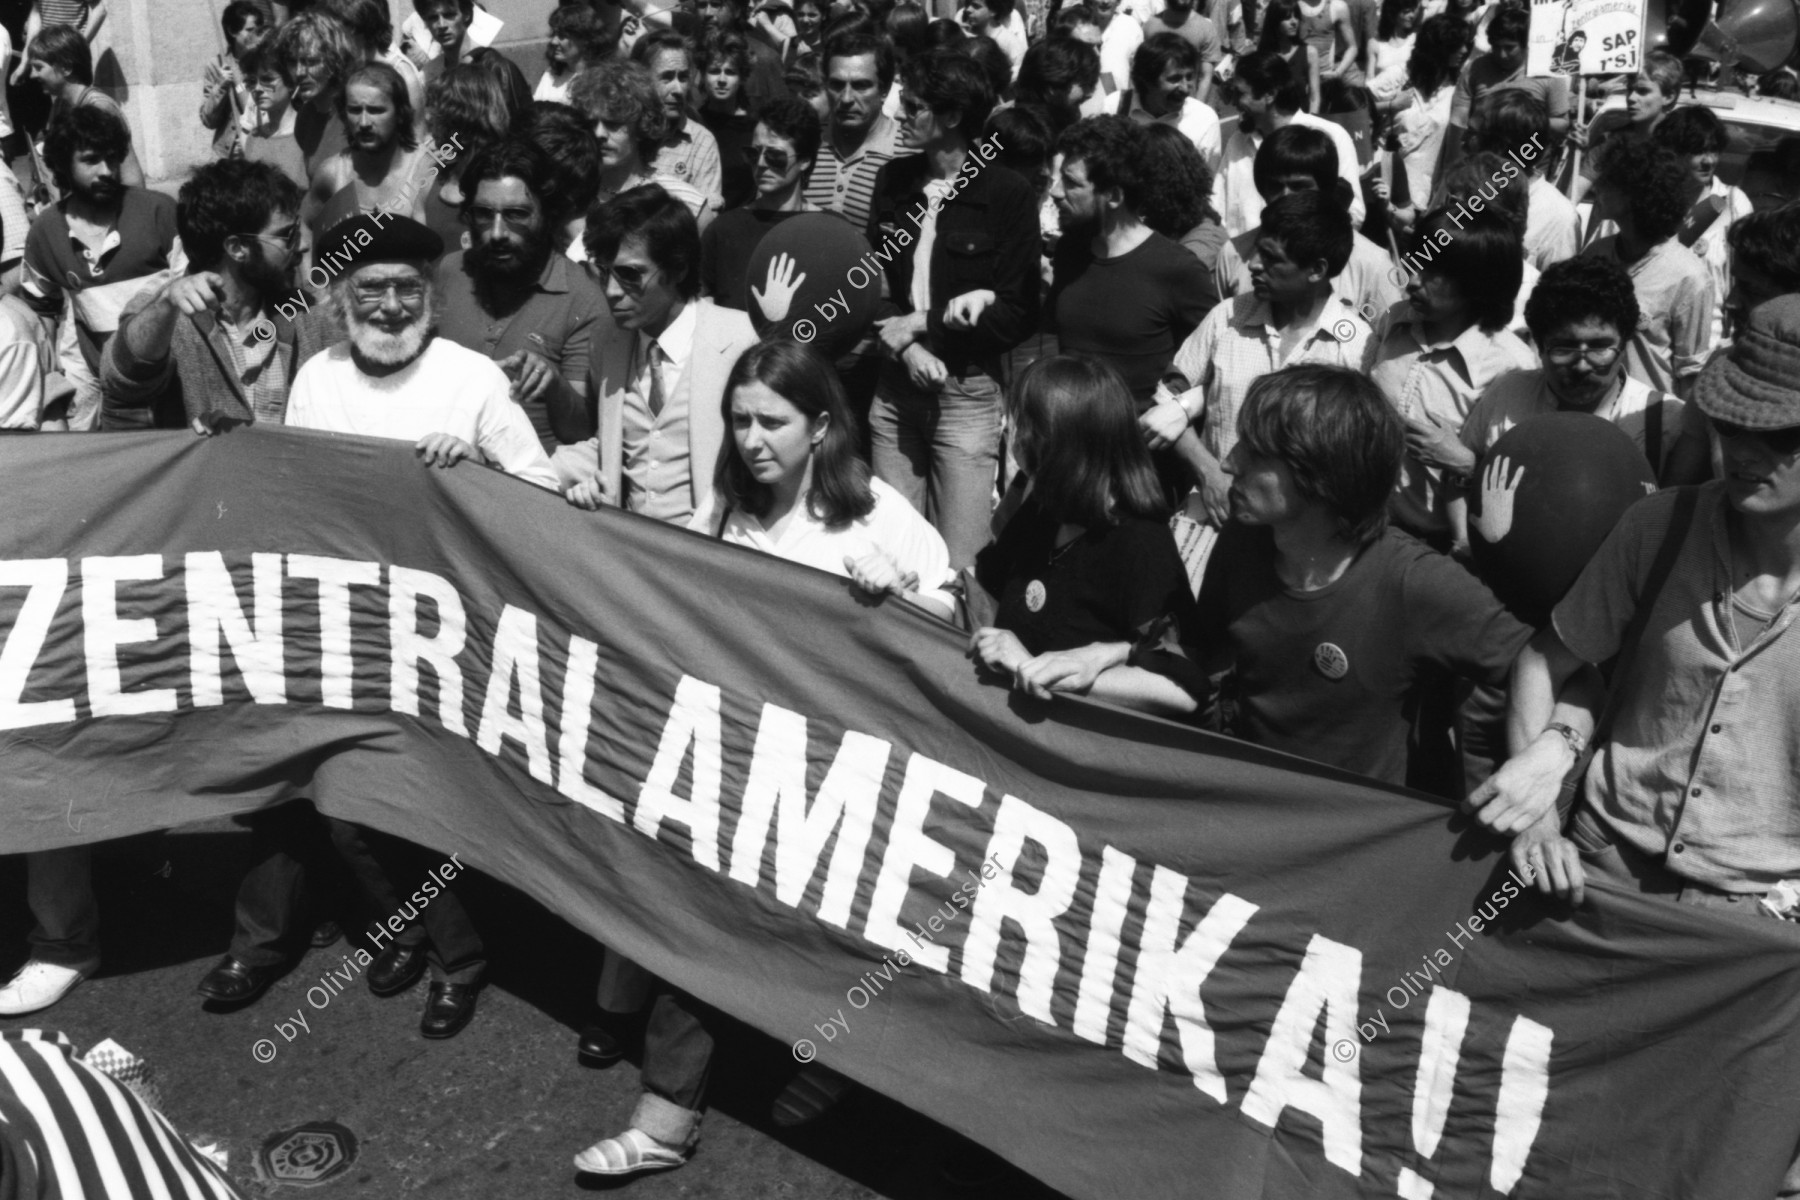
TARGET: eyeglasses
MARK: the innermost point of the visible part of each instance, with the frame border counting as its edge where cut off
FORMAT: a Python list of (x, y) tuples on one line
[(779, 160), (1598, 357), (1782, 441), (632, 280), (410, 292), (481, 217), (912, 107), (288, 238)]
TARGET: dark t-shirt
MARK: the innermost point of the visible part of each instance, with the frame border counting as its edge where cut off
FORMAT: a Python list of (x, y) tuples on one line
[(734, 132), (1334, 674), (1108, 585), (725, 251), (1133, 311)]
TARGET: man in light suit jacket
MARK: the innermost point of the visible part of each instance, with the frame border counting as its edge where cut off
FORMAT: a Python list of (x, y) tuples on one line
[(659, 370), (657, 385)]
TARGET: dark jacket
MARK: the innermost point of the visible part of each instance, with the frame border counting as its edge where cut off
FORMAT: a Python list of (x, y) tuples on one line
[(987, 237)]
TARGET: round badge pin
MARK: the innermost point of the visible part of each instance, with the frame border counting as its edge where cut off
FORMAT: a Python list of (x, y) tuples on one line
[(1035, 596), (1332, 662)]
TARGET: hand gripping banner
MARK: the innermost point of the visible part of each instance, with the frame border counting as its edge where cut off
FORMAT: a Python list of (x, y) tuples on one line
[(1137, 960)]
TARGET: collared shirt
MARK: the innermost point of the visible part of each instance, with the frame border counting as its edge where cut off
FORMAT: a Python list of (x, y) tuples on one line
[(1196, 121), (1425, 380), (259, 370), (1701, 766), (556, 321), (691, 154), (1235, 197), (1518, 395), (846, 185), (1238, 343), (657, 480), (1675, 302), (893, 527), (447, 389)]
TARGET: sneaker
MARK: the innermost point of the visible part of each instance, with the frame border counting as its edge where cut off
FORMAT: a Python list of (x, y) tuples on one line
[(629, 1153), (37, 985)]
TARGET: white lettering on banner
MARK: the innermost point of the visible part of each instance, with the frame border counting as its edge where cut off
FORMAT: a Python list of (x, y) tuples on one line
[(1129, 981), (1440, 1048), (693, 721), (1016, 825), (1169, 977), (336, 576), (214, 615), (571, 749), (909, 847), (516, 662), (46, 580), (410, 649), (1106, 928), (1328, 982), (1524, 1090), (775, 796), (104, 631)]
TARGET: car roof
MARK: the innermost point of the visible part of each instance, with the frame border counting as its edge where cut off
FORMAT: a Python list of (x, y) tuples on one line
[(1735, 106)]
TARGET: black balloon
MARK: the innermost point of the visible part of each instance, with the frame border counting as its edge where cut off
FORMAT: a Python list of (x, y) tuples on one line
[(1576, 475), (834, 305)]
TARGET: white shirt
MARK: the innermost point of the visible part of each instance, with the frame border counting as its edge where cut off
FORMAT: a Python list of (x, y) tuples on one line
[(23, 357), (1197, 122), (1552, 226), (447, 389), (1235, 197), (549, 89), (1118, 42), (893, 527)]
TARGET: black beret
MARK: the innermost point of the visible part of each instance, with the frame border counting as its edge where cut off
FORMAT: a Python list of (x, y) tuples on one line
[(374, 237)]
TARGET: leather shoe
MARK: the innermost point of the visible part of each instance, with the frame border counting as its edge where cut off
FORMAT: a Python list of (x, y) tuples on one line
[(234, 982), (396, 969), (326, 933), (448, 1007), (599, 1047)]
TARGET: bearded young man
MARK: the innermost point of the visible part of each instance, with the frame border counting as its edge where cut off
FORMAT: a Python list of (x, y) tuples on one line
[(511, 296), (383, 166), (100, 247)]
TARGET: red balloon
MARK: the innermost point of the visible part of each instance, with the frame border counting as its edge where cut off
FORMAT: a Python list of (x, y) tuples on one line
[(834, 305), (1570, 476)]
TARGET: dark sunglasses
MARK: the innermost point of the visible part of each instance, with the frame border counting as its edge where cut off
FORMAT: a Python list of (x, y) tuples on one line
[(1782, 441), (779, 160)]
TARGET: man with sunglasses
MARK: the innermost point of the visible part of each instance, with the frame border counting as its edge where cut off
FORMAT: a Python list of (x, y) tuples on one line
[(1692, 796), (212, 349), (511, 297), (782, 149)]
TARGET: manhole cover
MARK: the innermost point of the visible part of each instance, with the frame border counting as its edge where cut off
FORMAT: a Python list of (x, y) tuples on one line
[(307, 1155)]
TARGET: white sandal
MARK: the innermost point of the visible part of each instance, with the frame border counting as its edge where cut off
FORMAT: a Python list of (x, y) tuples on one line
[(630, 1152)]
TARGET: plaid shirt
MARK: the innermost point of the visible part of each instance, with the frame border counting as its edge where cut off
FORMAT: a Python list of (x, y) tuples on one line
[(1239, 343)]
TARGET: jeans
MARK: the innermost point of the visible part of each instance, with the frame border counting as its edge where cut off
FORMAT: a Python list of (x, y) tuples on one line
[(941, 451), (59, 889)]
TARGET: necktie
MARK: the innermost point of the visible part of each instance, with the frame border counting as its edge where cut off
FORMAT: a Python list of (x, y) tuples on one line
[(655, 392)]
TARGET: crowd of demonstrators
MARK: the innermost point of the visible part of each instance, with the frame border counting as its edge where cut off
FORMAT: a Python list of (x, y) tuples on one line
[(1098, 320)]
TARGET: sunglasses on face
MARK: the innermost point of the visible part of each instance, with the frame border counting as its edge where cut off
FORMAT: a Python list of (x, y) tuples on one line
[(632, 280), (779, 160), (1782, 441)]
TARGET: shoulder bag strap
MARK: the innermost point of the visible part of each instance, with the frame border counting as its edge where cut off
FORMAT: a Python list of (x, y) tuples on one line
[(1687, 500)]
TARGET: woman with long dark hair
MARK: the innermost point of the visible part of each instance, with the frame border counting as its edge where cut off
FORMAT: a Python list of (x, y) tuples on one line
[(1087, 562), (790, 483), (1281, 35)]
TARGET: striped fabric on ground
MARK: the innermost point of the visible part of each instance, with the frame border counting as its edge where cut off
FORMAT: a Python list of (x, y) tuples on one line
[(72, 1132)]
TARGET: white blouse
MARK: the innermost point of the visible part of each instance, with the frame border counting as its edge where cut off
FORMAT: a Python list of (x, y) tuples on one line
[(892, 526)]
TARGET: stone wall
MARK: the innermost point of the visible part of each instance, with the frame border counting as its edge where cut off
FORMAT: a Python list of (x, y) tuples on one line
[(153, 55)]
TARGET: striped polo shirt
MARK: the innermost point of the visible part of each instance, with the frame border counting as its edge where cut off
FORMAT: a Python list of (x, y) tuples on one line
[(846, 186)]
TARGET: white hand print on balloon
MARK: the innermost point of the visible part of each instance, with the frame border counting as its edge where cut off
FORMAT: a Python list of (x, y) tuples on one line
[(1499, 484), (776, 295)]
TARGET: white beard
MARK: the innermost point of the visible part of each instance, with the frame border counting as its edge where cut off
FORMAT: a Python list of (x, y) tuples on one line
[(390, 349)]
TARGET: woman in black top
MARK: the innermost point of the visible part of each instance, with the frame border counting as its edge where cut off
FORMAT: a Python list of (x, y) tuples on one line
[(725, 111), (1087, 563)]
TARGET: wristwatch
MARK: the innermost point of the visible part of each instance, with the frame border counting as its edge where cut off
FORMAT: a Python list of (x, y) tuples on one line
[(1568, 733)]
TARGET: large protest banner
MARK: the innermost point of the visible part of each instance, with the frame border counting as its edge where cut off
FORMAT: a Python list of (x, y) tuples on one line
[(1137, 960)]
